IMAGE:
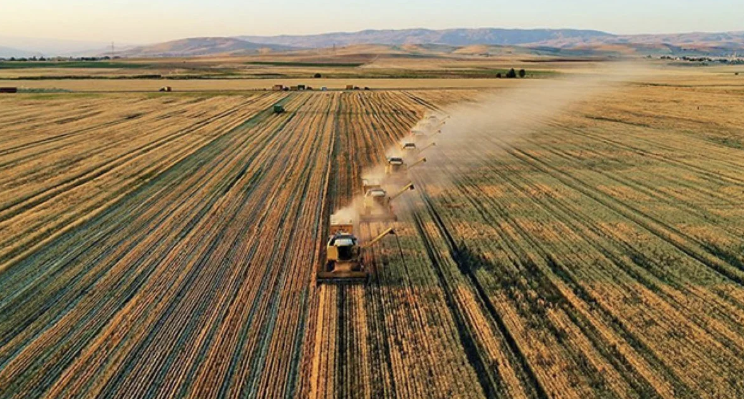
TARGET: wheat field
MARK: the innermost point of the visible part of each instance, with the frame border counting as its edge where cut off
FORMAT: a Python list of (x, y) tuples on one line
[(165, 245)]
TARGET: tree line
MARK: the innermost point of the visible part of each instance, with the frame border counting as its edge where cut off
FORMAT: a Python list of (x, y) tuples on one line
[(512, 74)]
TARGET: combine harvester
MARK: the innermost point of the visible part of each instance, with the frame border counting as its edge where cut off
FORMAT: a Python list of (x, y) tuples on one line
[(410, 148), (418, 135), (396, 169), (429, 128), (434, 123), (378, 207), (344, 255)]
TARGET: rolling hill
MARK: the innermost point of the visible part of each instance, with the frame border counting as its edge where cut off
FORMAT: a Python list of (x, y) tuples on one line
[(202, 46)]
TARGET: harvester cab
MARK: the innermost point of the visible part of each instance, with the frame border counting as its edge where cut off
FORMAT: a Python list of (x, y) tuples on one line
[(395, 167), (418, 135), (344, 254), (343, 249), (409, 147)]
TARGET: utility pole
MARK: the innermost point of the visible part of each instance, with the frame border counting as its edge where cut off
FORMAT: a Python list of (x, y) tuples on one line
[(113, 50)]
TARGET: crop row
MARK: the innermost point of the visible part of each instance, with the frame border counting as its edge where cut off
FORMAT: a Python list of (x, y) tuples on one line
[(604, 250), (194, 283)]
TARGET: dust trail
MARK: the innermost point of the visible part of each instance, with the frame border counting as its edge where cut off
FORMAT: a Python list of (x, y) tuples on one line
[(480, 128), (466, 133)]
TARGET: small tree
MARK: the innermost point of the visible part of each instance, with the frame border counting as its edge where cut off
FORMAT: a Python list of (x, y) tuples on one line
[(498, 75), (511, 74), (318, 76), (522, 73)]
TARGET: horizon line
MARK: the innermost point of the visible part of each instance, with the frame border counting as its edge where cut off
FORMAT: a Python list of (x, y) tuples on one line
[(374, 30)]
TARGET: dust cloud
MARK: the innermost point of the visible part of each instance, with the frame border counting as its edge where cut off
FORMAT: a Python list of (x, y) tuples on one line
[(482, 127), (346, 214)]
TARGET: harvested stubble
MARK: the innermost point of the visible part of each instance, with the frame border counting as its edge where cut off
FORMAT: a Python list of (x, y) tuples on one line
[(166, 247)]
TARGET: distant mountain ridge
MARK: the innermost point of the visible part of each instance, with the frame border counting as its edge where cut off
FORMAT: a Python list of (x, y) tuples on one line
[(720, 43), (7, 52), (29, 46), (452, 37)]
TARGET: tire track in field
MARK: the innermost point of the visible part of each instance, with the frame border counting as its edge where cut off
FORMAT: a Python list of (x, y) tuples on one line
[(40, 133), (709, 174), (486, 209), (689, 245), (657, 269)]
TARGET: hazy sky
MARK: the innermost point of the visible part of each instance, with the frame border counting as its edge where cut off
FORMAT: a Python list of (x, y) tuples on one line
[(145, 21)]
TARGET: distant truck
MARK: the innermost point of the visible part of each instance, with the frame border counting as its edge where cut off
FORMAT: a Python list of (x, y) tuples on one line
[(166, 89), (278, 88)]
